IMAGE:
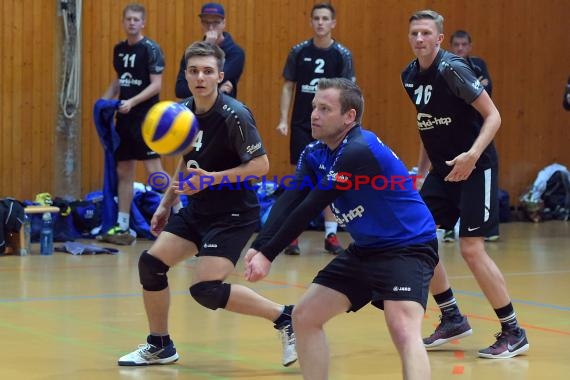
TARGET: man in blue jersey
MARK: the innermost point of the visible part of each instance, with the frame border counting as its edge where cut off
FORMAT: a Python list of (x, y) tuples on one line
[(318, 57), (391, 261), (457, 121)]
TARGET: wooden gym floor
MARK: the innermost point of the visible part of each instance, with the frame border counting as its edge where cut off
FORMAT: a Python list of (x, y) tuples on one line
[(71, 317)]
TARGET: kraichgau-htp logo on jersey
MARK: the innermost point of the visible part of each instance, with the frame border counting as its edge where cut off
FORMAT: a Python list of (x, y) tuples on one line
[(310, 88), (427, 121), (346, 217), (127, 80)]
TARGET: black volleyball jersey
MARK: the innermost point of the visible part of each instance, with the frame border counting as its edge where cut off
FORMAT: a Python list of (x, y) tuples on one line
[(447, 122), (227, 138), (305, 65), (134, 64)]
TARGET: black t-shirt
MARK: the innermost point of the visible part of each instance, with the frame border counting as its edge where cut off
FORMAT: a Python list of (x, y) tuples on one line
[(227, 138), (447, 122), (480, 69), (134, 64), (305, 65)]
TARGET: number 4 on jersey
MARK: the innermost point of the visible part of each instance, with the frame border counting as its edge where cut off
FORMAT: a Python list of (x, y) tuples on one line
[(197, 144)]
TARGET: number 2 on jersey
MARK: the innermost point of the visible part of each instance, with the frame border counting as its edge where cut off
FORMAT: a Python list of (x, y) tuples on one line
[(319, 65), (423, 93)]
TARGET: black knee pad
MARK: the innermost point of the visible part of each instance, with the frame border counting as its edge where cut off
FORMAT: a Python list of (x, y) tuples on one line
[(211, 294), (152, 273)]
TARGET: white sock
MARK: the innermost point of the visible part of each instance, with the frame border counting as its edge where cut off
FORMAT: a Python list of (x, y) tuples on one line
[(123, 220), (330, 228)]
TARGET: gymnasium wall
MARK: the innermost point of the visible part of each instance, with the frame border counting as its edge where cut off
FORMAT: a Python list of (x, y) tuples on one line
[(524, 42)]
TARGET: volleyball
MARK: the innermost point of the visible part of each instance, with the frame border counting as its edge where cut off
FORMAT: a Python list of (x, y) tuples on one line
[(169, 128)]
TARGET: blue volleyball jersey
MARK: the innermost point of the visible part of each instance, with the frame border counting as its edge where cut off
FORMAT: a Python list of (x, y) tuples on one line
[(370, 191), (386, 212)]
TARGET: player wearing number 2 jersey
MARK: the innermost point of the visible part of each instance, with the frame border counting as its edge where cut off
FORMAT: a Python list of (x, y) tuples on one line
[(313, 59)]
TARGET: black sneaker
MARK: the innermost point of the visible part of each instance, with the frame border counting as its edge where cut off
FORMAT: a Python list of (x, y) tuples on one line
[(448, 329), (332, 244), (449, 236), (509, 343), (293, 248)]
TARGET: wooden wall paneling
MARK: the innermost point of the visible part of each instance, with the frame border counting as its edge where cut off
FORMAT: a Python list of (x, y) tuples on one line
[(6, 102), (260, 88), (95, 34), (99, 19), (521, 41), (28, 97), (51, 49), (86, 82), (41, 58), (16, 95)]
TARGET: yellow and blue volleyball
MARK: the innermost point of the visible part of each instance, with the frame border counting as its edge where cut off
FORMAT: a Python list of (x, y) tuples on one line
[(169, 128)]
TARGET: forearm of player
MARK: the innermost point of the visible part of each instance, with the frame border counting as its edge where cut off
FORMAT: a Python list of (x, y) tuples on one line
[(297, 220), (170, 198), (424, 162), (151, 90), (112, 91), (491, 124), (285, 104)]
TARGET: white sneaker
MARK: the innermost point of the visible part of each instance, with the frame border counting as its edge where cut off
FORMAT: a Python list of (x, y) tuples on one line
[(288, 341), (147, 354)]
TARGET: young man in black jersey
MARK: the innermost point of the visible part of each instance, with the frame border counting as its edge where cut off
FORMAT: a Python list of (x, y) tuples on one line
[(457, 121), (461, 45), (222, 214), (139, 64), (318, 57)]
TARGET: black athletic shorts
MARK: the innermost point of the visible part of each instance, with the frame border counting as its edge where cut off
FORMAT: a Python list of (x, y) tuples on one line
[(132, 145), (300, 138), (223, 235), (475, 201), (399, 274)]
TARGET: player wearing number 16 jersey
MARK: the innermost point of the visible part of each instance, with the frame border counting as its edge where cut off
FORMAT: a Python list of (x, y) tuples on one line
[(457, 121)]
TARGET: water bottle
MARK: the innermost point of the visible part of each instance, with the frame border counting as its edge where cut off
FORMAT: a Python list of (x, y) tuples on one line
[(46, 235), (26, 250)]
